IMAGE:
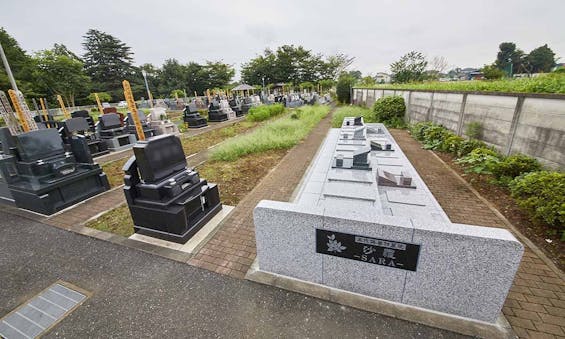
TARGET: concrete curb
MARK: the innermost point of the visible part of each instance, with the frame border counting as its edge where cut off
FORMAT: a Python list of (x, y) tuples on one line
[(501, 329)]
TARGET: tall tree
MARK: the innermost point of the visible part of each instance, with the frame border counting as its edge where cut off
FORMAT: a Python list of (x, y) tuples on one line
[(108, 61), (541, 59), (218, 74), (21, 65), (291, 64), (410, 67), (508, 57), (58, 72)]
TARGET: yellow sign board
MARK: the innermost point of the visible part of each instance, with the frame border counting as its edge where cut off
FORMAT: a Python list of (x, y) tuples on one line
[(133, 109)]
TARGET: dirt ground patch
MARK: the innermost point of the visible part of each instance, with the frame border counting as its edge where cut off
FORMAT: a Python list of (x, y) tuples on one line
[(237, 178)]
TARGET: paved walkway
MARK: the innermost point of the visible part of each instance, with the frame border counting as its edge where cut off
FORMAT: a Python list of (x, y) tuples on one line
[(140, 295), (535, 306), (232, 249)]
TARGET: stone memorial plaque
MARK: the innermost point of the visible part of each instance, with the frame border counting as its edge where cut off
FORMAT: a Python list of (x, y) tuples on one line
[(355, 191), (350, 175), (376, 251), (389, 162), (407, 197)]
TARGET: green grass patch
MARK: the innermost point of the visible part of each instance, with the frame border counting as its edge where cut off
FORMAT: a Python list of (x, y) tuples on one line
[(283, 133), (547, 83), (352, 111), (264, 112), (117, 221)]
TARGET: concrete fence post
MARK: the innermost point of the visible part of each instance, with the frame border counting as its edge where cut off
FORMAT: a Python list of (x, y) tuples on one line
[(429, 112), (461, 115), (514, 124), (408, 115)]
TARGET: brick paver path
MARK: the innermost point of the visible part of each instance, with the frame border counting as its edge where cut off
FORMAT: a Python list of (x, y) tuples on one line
[(535, 306), (231, 250)]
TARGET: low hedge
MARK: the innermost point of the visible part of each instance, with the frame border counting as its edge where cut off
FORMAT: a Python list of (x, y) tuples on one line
[(264, 112)]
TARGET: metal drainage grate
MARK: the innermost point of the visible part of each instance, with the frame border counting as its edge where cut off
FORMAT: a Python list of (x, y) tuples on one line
[(42, 312)]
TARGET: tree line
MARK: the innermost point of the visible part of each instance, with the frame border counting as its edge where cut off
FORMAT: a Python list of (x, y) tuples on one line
[(510, 60), (107, 61)]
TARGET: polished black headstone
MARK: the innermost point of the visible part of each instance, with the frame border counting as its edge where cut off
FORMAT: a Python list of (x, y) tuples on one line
[(39, 144), (110, 121), (159, 158)]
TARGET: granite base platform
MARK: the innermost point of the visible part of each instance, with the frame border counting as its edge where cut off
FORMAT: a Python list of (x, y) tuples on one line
[(198, 240), (347, 232)]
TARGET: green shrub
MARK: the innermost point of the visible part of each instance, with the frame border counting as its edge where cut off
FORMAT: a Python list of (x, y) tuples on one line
[(468, 145), (434, 135), (474, 130), (451, 144), (351, 111), (542, 195), (515, 165), (390, 111), (481, 160), (343, 88), (261, 113), (418, 130)]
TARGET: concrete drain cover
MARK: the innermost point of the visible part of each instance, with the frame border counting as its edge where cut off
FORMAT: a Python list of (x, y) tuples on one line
[(42, 312)]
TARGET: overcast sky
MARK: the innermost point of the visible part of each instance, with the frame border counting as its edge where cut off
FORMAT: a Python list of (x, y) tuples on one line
[(375, 32)]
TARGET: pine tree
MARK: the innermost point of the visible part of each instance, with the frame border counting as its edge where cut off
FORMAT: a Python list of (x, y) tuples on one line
[(108, 61)]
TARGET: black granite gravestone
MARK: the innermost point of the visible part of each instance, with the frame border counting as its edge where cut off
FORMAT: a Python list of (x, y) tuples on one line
[(361, 158), (112, 133), (192, 117), (130, 125), (246, 104), (165, 198), (80, 126), (214, 112), (84, 114), (43, 177)]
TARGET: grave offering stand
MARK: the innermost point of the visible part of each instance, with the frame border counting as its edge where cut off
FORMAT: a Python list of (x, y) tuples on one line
[(365, 230), (165, 198), (192, 118), (42, 177)]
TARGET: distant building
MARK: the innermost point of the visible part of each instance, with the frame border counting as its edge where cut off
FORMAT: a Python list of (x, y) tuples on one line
[(382, 78), (468, 73)]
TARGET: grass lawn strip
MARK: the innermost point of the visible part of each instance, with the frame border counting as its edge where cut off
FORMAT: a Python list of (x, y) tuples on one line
[(282, 133)]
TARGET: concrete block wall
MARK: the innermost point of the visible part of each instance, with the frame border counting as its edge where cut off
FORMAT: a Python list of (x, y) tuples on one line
[(532, 124)]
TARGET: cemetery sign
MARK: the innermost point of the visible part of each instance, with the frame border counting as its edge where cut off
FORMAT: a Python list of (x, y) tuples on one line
[(370, 250)]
